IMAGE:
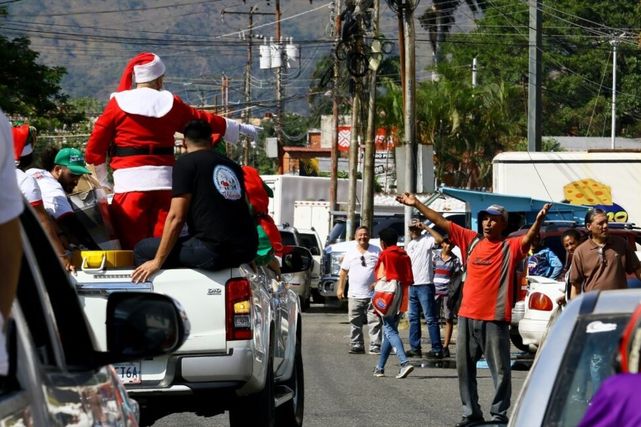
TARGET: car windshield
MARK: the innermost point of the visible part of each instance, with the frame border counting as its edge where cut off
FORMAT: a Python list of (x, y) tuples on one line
[(337, 234), (308, 240), (587, 362), (288, 238)]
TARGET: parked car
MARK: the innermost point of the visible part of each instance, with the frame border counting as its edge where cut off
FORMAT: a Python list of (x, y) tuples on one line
[(536, 297), (577, 356), (337, 245), (540, 303), (310, 239), (57, 376), (301, 281)]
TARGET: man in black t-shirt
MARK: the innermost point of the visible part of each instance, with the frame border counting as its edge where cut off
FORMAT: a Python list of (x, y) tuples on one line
[(208, 193)]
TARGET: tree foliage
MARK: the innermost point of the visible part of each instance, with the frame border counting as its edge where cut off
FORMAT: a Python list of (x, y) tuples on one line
[(577, 61), (32, 90)]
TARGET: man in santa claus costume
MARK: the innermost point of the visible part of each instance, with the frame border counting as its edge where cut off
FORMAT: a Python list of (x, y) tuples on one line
[(136, 130)]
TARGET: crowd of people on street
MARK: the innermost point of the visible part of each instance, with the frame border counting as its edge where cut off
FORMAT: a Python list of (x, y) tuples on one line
[(179, 212)]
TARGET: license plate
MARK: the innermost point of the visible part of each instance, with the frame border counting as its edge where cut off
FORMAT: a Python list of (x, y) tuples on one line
[(130, 372)]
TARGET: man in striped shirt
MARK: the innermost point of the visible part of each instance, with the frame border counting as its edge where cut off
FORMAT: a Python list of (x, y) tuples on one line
[(486, 308)]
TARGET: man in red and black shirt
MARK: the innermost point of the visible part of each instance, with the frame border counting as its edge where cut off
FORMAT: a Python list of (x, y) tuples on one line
[(486, 308)]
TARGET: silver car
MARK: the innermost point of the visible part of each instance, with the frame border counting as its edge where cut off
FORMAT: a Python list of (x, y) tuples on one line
[(577, 355), (56, 375), (300, 282)]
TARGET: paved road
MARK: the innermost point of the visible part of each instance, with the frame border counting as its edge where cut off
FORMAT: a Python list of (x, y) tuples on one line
[(341, 391)]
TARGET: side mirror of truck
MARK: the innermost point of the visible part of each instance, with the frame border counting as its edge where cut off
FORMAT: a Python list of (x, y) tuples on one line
[(143, 324), (295, 259)]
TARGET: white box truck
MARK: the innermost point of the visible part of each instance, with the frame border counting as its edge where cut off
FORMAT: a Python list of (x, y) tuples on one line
[(313, 214), (610, 180), (290, 188)]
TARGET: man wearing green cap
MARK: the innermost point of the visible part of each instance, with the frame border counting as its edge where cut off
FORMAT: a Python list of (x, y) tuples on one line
[(62, 170)]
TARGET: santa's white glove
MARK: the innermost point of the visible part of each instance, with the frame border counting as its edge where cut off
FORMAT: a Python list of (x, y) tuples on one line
[(250, 131), (102, 176)]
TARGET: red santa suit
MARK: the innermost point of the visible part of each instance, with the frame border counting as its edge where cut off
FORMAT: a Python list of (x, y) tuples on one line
[(258, 196), (137, 130)]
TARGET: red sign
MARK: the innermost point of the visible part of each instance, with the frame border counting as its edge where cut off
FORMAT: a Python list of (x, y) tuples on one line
[(382, 142)]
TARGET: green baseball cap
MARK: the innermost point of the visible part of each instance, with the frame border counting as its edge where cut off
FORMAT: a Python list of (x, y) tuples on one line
[(73, 159)]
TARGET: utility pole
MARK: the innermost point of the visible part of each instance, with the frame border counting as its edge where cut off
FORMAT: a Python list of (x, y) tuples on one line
[(279, 94), (370, 141), (474, 71), (614, 43), (224, 95), (355, 132), (410, 119), (333, 181), (534, 78), (248, 69)]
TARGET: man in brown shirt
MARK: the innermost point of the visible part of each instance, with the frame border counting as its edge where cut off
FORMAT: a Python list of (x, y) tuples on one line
[(602, 261)]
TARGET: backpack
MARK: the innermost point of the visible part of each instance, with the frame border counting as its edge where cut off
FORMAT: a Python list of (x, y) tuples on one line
[(387, 297)]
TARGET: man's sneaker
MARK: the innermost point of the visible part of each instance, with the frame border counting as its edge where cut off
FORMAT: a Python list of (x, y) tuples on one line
[(378, 372), (500, 420), (470, 421), (357, 350), (446, 352), (414, 352), (434, 354), (375, 350), (405, 370)]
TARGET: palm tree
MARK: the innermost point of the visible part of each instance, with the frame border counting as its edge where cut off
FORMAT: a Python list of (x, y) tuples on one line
[(438, 19), (467, 127)]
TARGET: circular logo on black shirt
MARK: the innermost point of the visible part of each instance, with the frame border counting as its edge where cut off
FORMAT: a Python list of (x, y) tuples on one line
[(227, 183)]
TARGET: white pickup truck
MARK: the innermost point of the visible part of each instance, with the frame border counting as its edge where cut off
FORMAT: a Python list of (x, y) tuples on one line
[(245, 342)]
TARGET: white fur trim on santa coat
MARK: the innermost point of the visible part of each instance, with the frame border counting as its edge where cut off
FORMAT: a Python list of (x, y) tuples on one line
[(145, 101), (142, 178)]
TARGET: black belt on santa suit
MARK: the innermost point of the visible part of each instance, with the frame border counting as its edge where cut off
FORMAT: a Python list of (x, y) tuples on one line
[(137, 151)]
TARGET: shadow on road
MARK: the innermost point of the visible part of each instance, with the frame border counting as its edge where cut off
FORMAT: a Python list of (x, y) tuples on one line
[(327, 308)]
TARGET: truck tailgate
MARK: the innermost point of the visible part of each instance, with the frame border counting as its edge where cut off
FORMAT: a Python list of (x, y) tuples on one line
[(201, 293)]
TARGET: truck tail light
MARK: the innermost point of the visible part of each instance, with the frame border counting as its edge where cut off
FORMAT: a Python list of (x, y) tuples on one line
[(238, 309), (540, 301)]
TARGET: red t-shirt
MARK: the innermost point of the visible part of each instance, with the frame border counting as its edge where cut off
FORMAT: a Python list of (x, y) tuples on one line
[(488, 292), (395, 264)]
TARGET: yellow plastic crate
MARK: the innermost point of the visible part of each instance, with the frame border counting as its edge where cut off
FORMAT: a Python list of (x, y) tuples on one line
[(103, 260)]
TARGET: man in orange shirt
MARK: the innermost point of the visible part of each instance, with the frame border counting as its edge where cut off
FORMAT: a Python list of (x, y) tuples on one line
[(486, 308)]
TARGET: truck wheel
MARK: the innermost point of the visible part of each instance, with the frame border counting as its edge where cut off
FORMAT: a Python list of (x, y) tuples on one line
[(317, 297), (257, 409), (305, 303), (517, 341), (290, 414)]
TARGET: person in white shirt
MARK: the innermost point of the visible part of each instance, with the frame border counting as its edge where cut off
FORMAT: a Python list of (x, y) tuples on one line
[(358, 265), (11, 206), (422, 292), (60, 175), (23, 150)]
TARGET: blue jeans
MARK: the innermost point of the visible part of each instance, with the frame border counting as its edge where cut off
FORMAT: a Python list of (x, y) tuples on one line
[(188, 252), (422, 298), (391, 339)]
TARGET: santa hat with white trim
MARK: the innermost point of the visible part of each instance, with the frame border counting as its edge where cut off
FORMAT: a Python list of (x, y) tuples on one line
[(142, 68), (22, 140)]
